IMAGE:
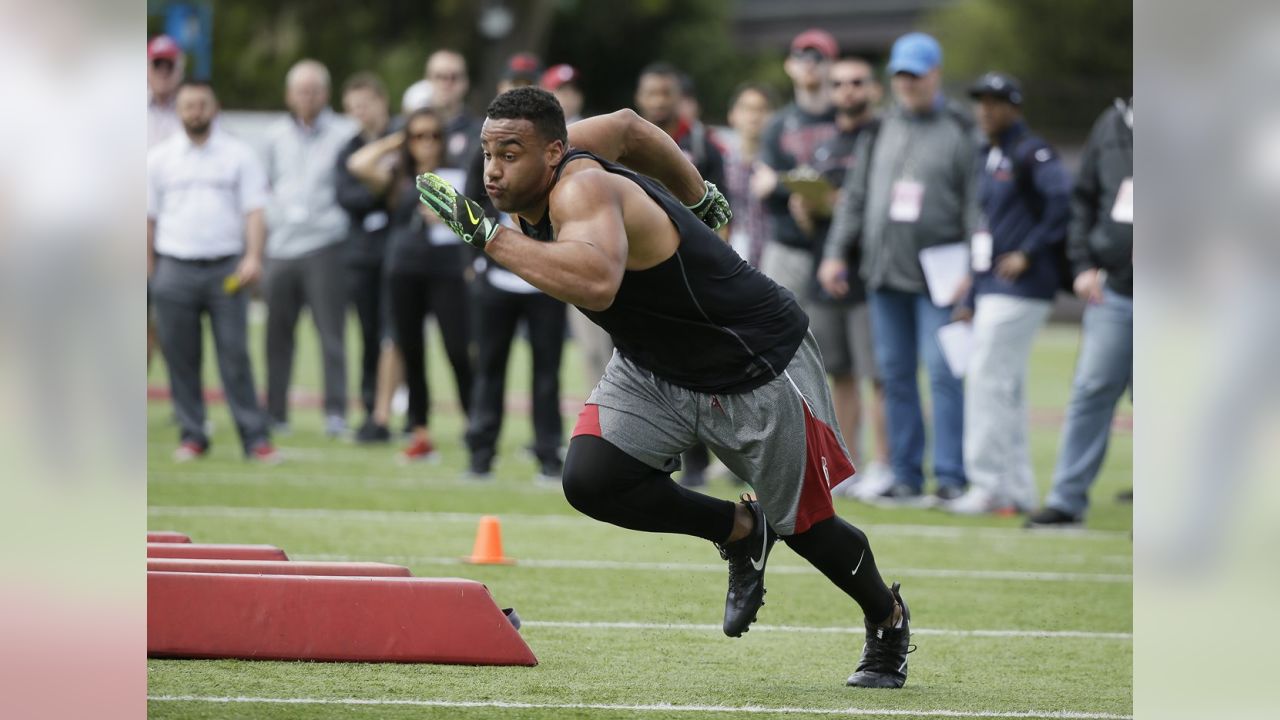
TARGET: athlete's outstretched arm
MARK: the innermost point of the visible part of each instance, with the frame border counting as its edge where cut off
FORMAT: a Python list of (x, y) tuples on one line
[(584, 265), (625, 137)]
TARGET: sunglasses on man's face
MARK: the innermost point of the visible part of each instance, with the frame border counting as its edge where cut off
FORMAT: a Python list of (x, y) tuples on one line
[(812, 55), (162, 64), (855, 82)]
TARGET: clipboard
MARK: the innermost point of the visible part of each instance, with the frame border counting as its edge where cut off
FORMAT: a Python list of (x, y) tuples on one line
[(814, 188)]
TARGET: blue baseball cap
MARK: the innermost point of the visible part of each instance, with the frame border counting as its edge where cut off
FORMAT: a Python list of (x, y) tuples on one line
[(915, 53)]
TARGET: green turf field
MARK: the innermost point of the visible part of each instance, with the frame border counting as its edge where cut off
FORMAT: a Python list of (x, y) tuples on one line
[(626, 625)]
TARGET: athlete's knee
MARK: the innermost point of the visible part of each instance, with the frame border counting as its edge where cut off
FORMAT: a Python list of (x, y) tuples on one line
[(583, 478), (826, 535)]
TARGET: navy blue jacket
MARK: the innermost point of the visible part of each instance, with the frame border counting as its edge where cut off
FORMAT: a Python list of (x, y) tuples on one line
[(1025, 200)]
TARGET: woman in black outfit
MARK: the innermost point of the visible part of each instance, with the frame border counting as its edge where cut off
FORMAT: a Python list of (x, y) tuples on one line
[(425, 263)]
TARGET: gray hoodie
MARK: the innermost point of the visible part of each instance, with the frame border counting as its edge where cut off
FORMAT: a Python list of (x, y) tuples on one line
[(935, 149)]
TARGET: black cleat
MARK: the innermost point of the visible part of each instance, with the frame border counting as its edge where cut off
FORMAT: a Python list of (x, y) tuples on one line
[(884, 656), (746, 558), (1050, 517), (371, 433)]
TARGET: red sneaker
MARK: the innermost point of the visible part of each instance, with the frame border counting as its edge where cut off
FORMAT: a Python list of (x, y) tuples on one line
[(420, 450), (189, 450), (265, 453)]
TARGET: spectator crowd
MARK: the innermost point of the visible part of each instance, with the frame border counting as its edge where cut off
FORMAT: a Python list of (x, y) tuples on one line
[(914, 228)]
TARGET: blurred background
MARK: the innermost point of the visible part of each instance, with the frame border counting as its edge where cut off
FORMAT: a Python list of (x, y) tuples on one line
[(1077, 55)]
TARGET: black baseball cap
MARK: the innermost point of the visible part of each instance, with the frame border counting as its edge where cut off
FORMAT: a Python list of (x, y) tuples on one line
[(523, 68), (999, 86)]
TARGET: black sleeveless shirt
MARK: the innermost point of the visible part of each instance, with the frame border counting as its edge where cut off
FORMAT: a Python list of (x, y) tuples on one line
[(702, 319)]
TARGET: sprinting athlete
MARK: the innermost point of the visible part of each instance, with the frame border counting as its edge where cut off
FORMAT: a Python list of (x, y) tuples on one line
[(617, 221)]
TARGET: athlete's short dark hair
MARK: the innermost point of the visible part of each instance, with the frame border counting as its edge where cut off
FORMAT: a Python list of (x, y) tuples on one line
[(535, 105)]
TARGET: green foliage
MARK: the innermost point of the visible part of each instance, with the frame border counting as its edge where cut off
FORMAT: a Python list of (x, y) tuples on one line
[(1072, 57), (255, 42), (612, 41)]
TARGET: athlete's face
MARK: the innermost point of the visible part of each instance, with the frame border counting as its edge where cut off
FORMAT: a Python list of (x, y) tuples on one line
[(518, 164)]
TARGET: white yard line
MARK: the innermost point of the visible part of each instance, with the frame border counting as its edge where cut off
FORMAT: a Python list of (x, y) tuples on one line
[(1012, 575), (376, 516), (805, 629), (659, 707), (314, 480), (328, 514)]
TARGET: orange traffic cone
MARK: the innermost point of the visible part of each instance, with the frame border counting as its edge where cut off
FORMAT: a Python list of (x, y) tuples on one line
[(488, 547)]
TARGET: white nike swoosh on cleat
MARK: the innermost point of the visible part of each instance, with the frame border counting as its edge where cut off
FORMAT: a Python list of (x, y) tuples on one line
[(764, 548), (860, 557)]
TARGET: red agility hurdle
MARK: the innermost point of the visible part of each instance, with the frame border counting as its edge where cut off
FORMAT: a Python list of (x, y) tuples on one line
[(307, 617)]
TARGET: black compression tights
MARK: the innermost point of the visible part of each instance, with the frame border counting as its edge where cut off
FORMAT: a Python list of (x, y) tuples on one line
[(842, 553), (607, 484)]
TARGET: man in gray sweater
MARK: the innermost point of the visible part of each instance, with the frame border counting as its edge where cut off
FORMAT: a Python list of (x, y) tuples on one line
[(917, 191), (304, 246)]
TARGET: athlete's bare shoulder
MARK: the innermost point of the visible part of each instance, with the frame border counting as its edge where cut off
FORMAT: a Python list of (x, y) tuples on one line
[(583, 185), (588, 190)]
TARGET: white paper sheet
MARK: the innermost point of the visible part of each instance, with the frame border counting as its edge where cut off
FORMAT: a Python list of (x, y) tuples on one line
[(440, 234), (945, 268), (956, 341)]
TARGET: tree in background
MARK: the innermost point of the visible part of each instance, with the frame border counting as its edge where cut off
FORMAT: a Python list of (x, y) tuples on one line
[(1072, 57), (612, 41), (255, 42)]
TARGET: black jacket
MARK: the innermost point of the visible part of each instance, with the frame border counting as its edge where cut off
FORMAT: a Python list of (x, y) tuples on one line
[(1094, 238), (366, 242)]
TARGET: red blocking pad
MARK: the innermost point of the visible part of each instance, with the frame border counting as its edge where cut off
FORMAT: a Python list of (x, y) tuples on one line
[(275, 567), (166, 536), (214, 551), (307, 617)]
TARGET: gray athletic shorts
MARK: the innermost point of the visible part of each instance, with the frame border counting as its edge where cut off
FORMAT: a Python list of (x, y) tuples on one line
[(781, 438), (844, 335)]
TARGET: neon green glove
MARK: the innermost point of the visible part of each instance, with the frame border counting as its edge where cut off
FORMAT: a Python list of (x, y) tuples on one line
[(713, 209), (463, 215)]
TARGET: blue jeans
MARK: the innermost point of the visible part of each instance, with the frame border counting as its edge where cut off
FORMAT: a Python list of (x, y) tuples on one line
[(1104, 371), (905, 326)]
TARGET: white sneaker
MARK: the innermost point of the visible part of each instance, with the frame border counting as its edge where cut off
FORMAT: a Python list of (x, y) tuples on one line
[(874, 468), (873, 486), (977, 501)]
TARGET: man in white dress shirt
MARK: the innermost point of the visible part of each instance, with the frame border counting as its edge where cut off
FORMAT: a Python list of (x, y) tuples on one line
[(205, 238)]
